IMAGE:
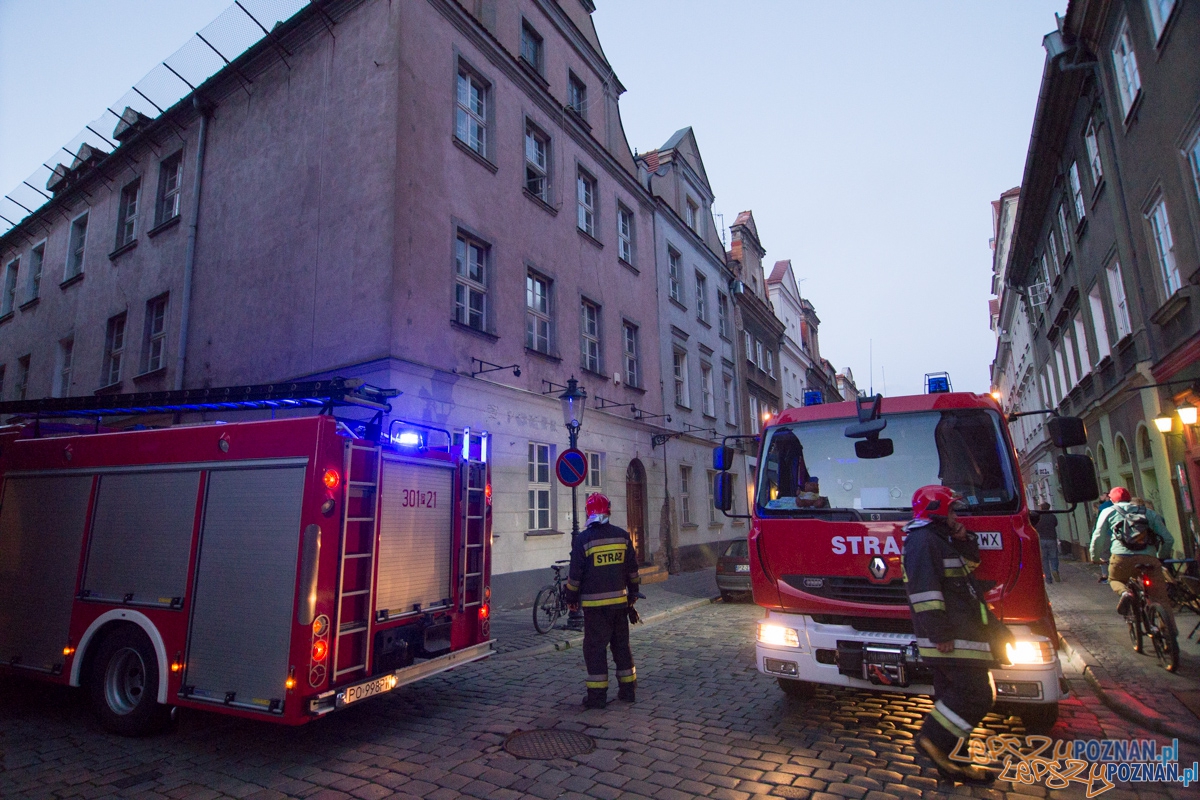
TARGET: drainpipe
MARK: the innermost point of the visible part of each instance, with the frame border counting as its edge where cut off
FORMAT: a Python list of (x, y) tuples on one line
[(189, 260)]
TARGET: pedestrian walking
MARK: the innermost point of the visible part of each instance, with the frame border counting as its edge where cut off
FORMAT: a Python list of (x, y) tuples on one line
[(953, 627), (603, 579), (1047, 528)]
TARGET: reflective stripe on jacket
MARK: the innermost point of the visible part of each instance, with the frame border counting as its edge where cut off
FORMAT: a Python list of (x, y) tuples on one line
[(604, 570)]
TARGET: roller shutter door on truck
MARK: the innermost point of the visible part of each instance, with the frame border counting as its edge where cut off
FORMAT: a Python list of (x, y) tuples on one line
[(245, 587), (416, 531)]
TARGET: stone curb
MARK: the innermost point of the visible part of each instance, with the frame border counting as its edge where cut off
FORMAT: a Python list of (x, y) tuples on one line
[(1119, 700), (575, 641)]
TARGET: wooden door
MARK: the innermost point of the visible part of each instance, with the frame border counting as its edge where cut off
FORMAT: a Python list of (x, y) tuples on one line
[(635, 508)]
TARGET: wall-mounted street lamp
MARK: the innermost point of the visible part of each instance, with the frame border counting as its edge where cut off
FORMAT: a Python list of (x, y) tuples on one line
[(1164, 423), (1187, 414)]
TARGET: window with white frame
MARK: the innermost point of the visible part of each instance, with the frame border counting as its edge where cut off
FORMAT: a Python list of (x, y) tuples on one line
[(712, 506), (758, 354), (591, 335), (723, 316), (470, 283), (1052, 249), (685, 495), (680, 371), (532, 46), (37, 258), (21, 388), (127, 214), (693, 215), (755, 422), (585, 190), (1076, 192), (1164, 246), (114, 351), (730, 399), (577, 95), (707, 401), (154, 335), (1099, 326), (1093, 151), (1160, 12), (9, 301), (1066, 363), (540, 518), (1129, 83), (1193, 157), (675, 275), (62, 368), (1062, 231), (749, 347), (537, 162), (1043, 269), (770, 362), (1116, 293), (624, 234), (1085, 355), (170, 182), (537, 312), (701, 298), (76, 243), (471, 111), (594, 478), (629, 347)]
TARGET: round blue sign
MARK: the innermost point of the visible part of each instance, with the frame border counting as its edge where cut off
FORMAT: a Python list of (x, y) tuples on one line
[(571, 467)]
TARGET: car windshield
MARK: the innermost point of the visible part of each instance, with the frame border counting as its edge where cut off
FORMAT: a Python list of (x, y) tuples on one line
[(737, 549), (811, 467)]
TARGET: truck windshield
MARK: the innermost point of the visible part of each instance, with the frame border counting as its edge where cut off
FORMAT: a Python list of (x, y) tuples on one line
[(811, 466)]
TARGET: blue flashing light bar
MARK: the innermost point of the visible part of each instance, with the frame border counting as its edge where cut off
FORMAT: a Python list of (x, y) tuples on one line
[(813, 397), (937, 382), (407, 439)]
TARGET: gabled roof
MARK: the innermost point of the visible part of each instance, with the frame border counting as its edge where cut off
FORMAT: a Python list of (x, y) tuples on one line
[(683, 141), (746, 220)]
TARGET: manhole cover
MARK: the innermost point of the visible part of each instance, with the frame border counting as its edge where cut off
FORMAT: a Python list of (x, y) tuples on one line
[(548, 744)]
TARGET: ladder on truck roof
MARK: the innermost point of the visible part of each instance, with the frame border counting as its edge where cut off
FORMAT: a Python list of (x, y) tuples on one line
[(359, 532), (474, 519)]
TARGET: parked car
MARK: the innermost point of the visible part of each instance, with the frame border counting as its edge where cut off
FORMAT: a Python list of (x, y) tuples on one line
[(733, 570)]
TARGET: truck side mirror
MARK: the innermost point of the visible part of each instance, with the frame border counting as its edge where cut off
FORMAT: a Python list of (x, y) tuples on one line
[(722, 458), (1077, 477), (1067, 431), (723, 489)]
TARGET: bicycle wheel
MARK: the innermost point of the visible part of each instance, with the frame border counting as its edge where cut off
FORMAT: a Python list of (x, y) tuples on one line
[(1134, 620), (546, 609), (1164, 636)]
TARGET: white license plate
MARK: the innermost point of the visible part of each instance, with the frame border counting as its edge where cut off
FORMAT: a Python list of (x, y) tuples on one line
[(990, 540), (362, 691), (741, 567)]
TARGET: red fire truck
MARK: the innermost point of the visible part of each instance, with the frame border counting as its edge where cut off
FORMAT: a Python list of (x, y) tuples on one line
[(832, 494), (277, 569)]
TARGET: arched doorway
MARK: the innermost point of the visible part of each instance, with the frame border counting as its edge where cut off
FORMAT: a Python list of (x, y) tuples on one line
[(635, 507)]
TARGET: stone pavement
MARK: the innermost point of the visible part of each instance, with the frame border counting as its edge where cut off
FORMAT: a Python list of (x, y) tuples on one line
[(706, 724), (1132, 684)]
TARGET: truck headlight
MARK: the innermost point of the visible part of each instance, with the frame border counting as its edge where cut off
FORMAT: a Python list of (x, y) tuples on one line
[(777, 635), (1026, 651)]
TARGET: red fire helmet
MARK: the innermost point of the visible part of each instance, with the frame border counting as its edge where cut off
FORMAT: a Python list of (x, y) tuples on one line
[(596, 503), (933, 501)]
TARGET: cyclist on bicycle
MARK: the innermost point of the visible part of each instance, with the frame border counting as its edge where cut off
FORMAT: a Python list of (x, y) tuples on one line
[(1129, 535)]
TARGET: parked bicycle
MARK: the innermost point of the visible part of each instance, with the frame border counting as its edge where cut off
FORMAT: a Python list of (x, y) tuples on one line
[(551, 601), (1184, 589), (1147, 618)]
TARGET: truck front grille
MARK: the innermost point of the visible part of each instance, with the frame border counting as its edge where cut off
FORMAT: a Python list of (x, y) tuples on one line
[(850, 590)]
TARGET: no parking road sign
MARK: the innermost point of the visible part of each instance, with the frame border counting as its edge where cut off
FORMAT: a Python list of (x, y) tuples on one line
[(571, 467)]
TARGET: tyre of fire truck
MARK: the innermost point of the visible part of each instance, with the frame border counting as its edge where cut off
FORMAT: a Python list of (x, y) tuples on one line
[(799, 690), (123, 684), (1038, 718)]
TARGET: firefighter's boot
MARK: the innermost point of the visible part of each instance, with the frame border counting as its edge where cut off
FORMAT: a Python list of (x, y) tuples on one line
[(596, 698), (950, 770), (627, 692)]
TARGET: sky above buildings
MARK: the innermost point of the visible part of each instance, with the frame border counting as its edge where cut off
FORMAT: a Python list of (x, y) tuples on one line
[(868, 138)]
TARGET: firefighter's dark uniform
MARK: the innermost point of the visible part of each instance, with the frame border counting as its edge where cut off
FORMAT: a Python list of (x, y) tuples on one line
[(603, 579), (947, 606)]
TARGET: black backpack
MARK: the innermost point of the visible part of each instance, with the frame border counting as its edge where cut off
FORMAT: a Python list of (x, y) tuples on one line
[(1132, 528)]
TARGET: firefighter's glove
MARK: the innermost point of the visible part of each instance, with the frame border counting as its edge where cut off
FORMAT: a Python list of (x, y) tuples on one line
[(634, 617), (571, 597)]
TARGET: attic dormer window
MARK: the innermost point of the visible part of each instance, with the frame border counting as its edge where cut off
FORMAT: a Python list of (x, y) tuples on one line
[(693, 214)]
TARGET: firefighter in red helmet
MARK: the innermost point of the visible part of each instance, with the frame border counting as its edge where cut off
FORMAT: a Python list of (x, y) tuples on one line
[(603, 578), (953, 625)]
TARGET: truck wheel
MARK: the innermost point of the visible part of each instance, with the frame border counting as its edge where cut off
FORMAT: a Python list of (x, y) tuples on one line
[(726, 597), (799, 690), (123, 685), (1038, 719)]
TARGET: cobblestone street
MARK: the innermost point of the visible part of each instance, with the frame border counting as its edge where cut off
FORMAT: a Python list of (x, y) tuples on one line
[(706, 724)]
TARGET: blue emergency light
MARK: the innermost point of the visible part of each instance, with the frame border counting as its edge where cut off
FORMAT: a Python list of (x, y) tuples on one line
[(813, 397), (937, 382)]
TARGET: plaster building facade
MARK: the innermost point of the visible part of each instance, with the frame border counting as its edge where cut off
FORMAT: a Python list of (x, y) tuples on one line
[(410, 193), (1106, 243), (795, 361), (760, 331)]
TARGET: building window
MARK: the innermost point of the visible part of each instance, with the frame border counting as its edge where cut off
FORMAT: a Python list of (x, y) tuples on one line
[(1093, 151), (127, 213), (1193, 156), (537, 149), (531, 46), (754, 421), (22, 387), (470, 286), (577, 95), (701, 298), (62, 372), (114, 350), (730, 400), (1116, 292), (586, 195), (1076, 192), (680, 371), (685, 495), (707, 401), (170, 178), (539, 487), (1062, 231), (625, 234), (591, 336), (1164, 246), (723, 315), (9, 301), (693, 214), (749, 348), (594, 477), (1129, 83), (1160, 12), (37, 257), (758, 354), (1085, 355), (673, 275), (537, 312), (1052, 249), (630, 353), (471, 112), (154, 335), (75, 247), (1099, 327), (712, 505), (770, 363)]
